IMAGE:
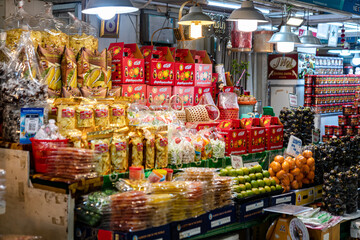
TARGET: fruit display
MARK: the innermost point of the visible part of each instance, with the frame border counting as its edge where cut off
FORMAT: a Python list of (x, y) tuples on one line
[(252, 181), (298, 122), (292, 173)]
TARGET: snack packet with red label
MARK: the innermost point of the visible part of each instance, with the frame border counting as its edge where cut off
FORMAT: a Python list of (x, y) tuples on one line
[(66, 108), (100, 142), (137, 149), (161, 145), (101, 112), (85, 115), (149, 134), (120, 150)]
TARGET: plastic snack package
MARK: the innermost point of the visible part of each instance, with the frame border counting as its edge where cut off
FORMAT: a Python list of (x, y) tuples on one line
[(188, 149), (137, 153), (98, 92), (161, 145), (149, 134), (100, 142), (218, 144), (138, 115), (175, 151), (81, 34), (206, 152), (119, 150), (74, 136), (118, 114), (198, 143), (114, 92), (102, 119), (66, 118), (49, 61), (68, 92), (85, 115), (108, 82), (68, 69), (11, 124)]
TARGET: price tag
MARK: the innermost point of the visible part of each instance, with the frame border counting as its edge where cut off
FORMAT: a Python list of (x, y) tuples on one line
[(294, 146), (293, 100), (251, 164), (316, 136), (236, 162)]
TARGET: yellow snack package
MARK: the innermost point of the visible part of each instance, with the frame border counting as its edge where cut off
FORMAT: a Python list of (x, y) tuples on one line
[(65, 113), (85, 116), (137, 149), (149, 134), (108, 81), (55, 38), (74, 137), (78, 41), (69, 69), (13, 37), (100, 142), (102, 115), (118, 112), (119, 150), (161, 146), (92, 68)]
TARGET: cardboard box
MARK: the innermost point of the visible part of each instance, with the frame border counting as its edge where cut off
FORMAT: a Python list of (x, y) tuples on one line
[(286, 198), (199, 91), (220, 217), (158, 94), (304, 196), (274, 132), (355, 229), (203, 68), (128, 64), (235, 141), (332, 233), (188, 228), (135, 91), (159, 66), (187, 93), (184, 68), (251, 210), (318, 190), (201, 125), (256, 135)]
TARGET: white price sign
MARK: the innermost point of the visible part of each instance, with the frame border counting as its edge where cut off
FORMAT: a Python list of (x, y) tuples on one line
[(293, 100), (316, 136), (294, 146), (236, 162), (251, 164)]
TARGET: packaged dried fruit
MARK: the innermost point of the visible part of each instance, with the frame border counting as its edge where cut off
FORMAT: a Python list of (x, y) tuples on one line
[(118, 114), (161, 145), (149, 134), (119, 150), (69, 69), (100, 142), (137, 153)]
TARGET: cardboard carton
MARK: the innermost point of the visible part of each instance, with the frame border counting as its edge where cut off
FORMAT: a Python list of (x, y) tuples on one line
[(158, 94), (235, 137), (199, 91), (274, 132), (135, 91), (203, 68), (127, 64), (332, 233), (256, 135), (184, 68), (187, 93), (159, 65)]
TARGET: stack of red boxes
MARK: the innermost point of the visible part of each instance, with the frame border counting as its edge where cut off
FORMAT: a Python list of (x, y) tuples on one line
[(235, 136), (256, 135), (274, 132)]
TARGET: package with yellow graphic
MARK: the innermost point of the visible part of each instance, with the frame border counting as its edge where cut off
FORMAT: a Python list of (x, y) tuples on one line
[(137, 149), (66, 117), (149, 134), (85, 116), (118, 113), (54, 38), (74, 136), (119, 150), (49, 61), (69, 69), (102, 119), (100, 142), (161, 146)]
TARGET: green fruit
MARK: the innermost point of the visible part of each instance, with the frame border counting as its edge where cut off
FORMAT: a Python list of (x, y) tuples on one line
[(254, 184), (237, 188), (242, 187), (248, 186), (262, 190), (267, 181), (239, 196), (252, 176), (266, 173), (279, 187), (245, 170), (256, 191), (249, 193), (252, 170), (273, 188), (273, 182), (261, 183), (241, 179), (239, 172), (267, 189), (223, 172), (247, 178), (258, 169), (244, 193), (259, 176), (229, 168), (232, 172)]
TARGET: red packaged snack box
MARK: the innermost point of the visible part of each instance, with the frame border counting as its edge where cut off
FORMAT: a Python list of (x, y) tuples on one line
[(256, 135), (235, 138), (159, 66), (187, 93), (184, 68), (128, 64), (274, 132), (202, 125), (225, 89), (199, 91), (135, 91), (155, 94), (203, 68)]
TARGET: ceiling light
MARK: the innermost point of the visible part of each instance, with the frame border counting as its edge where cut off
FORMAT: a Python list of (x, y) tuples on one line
[(233, 6), (309, 41), (345, 52), (247, 17), (285, 40), (106, 9), (294, 21), (356, 60)]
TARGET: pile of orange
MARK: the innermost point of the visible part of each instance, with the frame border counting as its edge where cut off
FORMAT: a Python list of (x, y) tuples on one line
[(292, 173)]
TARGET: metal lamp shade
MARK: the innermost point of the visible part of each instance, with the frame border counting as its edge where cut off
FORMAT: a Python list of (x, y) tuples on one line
[(308, 40), (118, 6), (247, 12), (196, 15), (285, 35)]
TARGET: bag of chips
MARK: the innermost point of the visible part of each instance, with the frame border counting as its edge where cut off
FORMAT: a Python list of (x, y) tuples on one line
[(100, 142), (66, 113), (149, 134), (161, 145), (69, 69), (137, 148), (85, 115), (102, 119), (49, 61), (120, 150)]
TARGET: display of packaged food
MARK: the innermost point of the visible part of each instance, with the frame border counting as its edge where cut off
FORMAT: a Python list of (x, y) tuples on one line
[(101, 115), (68, 69), (119, 150), (100, 143), (85, 116), (161, 145), (149, 134), (66, 117), (137, 153)]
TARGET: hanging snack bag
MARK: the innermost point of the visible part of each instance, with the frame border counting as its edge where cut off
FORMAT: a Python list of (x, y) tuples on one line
[(100, 142), (69, 69), (49, 61), (68, 92), (149, 134), (88, 92), (102, 118), (92, 68), (119, 150), (161, 145), (85, 115), (66, 113), (137, 149)]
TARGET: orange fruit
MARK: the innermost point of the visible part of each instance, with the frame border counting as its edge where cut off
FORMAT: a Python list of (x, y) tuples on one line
[(271, 171), (285, 180), (280, 175), (306, 181), (276, 180), (305, 169), (294, 185), (307, 154), (285, 166), (275, 166), (311, 175), (291, 162), (295, 171), (299, 177), (310, 161), (291, 177), (298, 163), (288, 188), (284, 187), (301, 158), (279, 159), (300, 184), (312, 168)]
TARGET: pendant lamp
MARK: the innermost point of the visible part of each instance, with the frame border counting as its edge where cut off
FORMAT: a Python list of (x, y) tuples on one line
[(247, 17), (107, 9), (309, 41), (196, 19), (285, 40)]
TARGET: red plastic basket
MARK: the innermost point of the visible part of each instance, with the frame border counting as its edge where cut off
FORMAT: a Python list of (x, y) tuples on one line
[(226, 114), (41, 149)]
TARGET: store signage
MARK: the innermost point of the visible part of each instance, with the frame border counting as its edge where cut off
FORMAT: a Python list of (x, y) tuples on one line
[(293, 100), (236, 162), (316, 136), (294, 146), (31, 119), (282, 66), (333, 36)]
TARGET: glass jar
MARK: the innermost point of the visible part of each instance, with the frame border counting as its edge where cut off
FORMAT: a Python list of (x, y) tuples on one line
[(338, 131)]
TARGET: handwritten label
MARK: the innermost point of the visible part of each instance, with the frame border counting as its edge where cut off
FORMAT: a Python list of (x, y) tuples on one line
[(294, 146), (236, 162), (293, 100)]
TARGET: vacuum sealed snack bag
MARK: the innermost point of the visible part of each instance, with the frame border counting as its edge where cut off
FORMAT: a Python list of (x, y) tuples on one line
[(68, 69), (137, 149), (161, 144), (49, 61), (120, 150), (85, 115), (149, 134), (66, 118), (100, 142)]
